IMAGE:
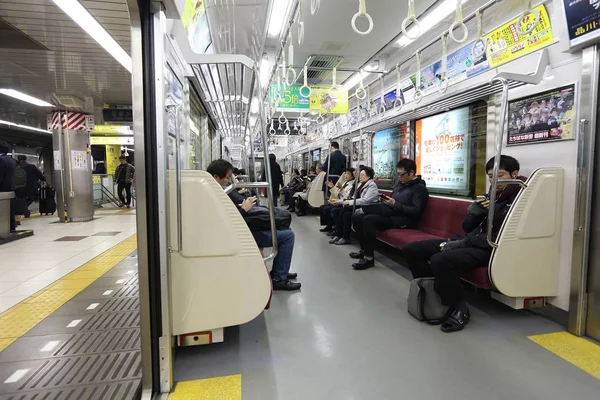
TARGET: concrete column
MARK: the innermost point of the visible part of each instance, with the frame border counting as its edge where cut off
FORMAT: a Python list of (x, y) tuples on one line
[(72, 167)]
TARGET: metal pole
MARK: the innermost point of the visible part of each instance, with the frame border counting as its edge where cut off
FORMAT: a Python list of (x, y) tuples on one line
[(268, 177), (178, 174), (357, 171)]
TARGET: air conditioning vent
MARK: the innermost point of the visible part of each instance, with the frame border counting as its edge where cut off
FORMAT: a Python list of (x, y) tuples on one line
[(316, 77)]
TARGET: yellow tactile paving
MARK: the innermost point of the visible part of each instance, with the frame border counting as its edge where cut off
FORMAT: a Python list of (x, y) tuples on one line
[(16, 321), (222, 388), (578, 351)]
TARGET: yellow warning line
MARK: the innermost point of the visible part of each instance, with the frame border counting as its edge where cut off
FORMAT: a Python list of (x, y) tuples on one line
[(222, 388), (16, 321), (580, 352)]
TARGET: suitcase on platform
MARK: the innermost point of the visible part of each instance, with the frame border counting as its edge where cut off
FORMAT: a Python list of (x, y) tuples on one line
[(47, 199)]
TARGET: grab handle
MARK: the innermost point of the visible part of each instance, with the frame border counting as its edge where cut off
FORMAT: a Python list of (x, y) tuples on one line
[(412, 17), (459, 23), (580, 167), (362, 12), (534, 24)]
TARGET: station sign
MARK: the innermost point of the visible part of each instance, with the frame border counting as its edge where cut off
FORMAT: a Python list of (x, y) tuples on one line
[(111, 140), (116, 115)]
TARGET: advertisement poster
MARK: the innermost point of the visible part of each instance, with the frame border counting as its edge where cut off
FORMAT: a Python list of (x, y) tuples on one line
[(195, 22), (359, 158), (546, 116), (322, 102), (505, 44), (386, 154), (442, 150), (583, 20), (291, 101)]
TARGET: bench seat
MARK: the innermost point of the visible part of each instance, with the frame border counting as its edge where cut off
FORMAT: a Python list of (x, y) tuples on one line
[(442, 218)]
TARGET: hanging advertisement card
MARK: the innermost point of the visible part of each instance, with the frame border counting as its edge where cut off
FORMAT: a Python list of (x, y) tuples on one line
[(321, 101), (195, 22), (583, 20), (506, 44), (290, 100), (543, 117), (442, 150), (357, 160)]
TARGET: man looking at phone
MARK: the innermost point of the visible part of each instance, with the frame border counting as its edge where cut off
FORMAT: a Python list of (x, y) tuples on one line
[(445, 259), (400, 211)]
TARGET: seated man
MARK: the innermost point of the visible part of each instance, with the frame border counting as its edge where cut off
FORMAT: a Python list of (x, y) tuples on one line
[(342, 190), (296, 185), (445, 259), (301, 199), (366, 194), (400, 211), (222, 170)]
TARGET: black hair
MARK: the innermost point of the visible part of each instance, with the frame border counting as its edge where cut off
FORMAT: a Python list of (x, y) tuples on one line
[(272, 157), (236, 171), (242, 171), (335, 145), (369, 171), (4, 147), (303, 172), (407, 165), (22, 157), (296, 172), (122, 157), (219, 168), (351, 170), (507, 163)]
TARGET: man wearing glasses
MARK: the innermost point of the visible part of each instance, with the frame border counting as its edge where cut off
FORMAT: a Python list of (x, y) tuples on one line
[(400, 211)]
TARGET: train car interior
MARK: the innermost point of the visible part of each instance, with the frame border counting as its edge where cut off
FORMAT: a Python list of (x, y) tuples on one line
[(299, 199)]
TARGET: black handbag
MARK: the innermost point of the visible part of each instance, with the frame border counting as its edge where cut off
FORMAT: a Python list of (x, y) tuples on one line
[(259, 219)]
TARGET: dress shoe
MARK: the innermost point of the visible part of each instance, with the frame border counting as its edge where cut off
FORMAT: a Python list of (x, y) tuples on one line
[(358, 255), (286, 285), (364, 264)]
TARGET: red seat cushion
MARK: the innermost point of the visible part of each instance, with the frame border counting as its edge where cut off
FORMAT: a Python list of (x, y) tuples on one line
[(401, 237), (478, 277)]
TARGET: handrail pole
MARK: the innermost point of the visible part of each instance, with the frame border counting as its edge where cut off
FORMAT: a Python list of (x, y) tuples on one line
[(497, 155), (357, 171), (265, 143), (327, 176)]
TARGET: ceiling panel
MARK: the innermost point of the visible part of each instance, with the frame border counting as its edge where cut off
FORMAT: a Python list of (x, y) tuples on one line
[(74, 65)]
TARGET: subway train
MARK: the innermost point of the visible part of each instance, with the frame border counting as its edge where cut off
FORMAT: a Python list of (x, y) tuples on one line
[(469, 125)]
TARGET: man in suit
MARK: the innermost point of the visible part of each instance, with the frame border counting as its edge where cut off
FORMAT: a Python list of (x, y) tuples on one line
[(335, 163), (7, 178), (29, 192)]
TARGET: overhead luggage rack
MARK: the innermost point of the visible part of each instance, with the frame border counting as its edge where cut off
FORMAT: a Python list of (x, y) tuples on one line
[(227, 87)]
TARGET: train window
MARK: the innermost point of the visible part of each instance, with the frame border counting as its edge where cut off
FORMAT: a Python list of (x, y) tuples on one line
[(450, 150), (389, 146)]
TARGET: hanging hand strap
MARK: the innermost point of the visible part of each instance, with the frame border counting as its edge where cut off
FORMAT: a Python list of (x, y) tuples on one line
[(362, 12), (382, 100), (418, 92), (459, 23), (398, 102), (314, 6), (333, 90), (444, 78), (290, 70), (411, 18), (480, 45), (525, 20), (300, 22), (305, 90), (360, 92)]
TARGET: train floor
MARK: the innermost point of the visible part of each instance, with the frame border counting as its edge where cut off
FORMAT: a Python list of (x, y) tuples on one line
[(347, 336)]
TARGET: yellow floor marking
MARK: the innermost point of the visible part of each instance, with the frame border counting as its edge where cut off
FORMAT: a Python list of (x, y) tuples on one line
[(580, 352), (222, 388), (16, 321)]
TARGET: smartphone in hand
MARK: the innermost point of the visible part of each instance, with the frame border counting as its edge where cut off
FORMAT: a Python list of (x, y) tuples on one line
[(383, 197)]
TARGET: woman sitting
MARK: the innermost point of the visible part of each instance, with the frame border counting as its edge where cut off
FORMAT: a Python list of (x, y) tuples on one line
[(342, 190), (296, 185), (366, 193)]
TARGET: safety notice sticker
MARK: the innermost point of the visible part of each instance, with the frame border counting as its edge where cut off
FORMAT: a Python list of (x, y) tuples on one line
[(79, 160)]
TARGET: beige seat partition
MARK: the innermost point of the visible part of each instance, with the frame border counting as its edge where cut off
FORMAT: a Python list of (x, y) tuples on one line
[(315, 194), (218, 277), (526, 262)]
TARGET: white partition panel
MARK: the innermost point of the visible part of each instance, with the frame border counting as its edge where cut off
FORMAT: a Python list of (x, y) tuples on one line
[(218, 277), (527, 260)]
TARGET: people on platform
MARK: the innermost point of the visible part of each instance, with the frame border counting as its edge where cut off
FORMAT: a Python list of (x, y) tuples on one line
[(7, 179), (27, 193), (342, 190), (366, 194), (123, 178), (221, 170), (401, 210), (446, 259)]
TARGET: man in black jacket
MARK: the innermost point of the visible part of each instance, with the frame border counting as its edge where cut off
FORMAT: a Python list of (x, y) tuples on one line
[(29, 193), (445, 259), (336, 162), (222, 171), (7, 179), (400, 211)]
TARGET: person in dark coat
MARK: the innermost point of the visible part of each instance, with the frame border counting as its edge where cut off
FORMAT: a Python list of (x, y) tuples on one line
[(400, 211), (7, 179), (335, 163), (30, 191), (276, 177), (445, 259)]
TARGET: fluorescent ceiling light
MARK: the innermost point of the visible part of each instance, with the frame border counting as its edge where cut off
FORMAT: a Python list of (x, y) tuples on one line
[(277, 18), (31, 128), (88, 23), (254, 106), (25, 97), (430, 20), (355, 80), (265, 71)]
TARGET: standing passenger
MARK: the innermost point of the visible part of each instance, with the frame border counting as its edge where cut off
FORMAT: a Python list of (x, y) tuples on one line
[(336, 162), (33, 175), (446, 259), (123, 178), (7, 179), (276, 177)]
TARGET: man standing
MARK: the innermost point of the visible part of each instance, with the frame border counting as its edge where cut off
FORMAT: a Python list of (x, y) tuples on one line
[(400, 211), (335, 163), (123, 177), (7, 179), (33, 175)]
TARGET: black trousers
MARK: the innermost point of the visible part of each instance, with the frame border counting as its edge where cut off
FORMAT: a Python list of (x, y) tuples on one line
[(326, 217), (12, 211), (366, 227), (127, 187), (426, 260), (343, 221)]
